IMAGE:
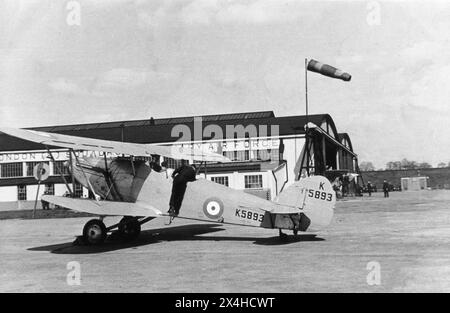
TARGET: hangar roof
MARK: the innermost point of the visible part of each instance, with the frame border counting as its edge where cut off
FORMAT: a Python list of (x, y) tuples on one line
[(159, 122), (344, 138), (159, 130)]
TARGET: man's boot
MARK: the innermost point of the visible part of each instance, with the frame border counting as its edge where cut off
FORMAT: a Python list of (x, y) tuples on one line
[(171, 211)]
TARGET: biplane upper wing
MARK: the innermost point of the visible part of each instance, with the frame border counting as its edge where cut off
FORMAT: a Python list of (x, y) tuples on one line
[(135, 149), (104, 208)]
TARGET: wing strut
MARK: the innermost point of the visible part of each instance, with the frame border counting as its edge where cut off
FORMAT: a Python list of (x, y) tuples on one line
[(60, 171), (107, 176), (85, 177), (132, 165), (202, 163)]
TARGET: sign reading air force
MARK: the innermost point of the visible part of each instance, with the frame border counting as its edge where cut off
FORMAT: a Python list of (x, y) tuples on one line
[(213, 208), (238, 145)]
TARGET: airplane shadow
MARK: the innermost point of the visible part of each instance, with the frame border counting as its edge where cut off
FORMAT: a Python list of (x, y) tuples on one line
[(176, 233)]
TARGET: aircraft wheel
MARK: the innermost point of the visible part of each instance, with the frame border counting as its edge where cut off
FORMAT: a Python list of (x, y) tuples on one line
[(129, 228), (94, 232)]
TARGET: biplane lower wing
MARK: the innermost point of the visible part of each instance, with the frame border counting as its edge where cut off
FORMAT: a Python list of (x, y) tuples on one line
[(104, 208)]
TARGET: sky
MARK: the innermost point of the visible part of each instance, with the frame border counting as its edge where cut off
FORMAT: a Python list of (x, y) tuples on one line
[(67, 62)]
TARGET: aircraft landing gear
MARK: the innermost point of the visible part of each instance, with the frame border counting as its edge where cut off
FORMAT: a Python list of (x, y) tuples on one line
[(94, 232), (295, 232), (129, 228), (282, 235)]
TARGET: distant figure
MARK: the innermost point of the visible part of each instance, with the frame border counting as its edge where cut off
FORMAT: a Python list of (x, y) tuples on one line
[(345, 183), (45, 204), (386, 189), (181, 176), (369, 188), (337, 183)]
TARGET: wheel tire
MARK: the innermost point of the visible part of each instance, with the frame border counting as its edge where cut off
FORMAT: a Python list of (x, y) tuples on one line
[(94, 232), (129, 228)]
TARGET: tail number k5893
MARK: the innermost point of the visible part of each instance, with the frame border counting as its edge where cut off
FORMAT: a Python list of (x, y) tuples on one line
[(322, 195), (249, 215)]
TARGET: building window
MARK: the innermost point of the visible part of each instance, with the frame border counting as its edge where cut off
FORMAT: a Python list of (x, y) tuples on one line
[(50, 189), (30, 167), (268, 155), (59, 166), (78, 190), (173, 163), (263, 155), (11, 170), (22, 192), (243, 155), (223, 180), (253, 181), (229, 154)]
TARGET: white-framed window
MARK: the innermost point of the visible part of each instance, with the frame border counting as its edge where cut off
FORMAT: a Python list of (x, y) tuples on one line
[(242, 155), (223, 180), (253, 181), (174, 163), (78, 190), (229, 154), (267, 155), (238, 155), (22, 192), (59, 166), (11, 170), (50, 189)]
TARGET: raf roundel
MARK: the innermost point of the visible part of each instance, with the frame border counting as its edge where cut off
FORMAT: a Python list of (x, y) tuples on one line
[(213, 208)]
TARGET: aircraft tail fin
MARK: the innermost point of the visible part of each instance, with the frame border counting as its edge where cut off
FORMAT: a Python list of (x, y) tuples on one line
[(315, 197)]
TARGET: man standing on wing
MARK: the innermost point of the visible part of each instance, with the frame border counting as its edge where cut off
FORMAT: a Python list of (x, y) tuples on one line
[(181, 176)]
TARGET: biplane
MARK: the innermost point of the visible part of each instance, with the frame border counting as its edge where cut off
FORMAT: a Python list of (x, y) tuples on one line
[(126, 185)]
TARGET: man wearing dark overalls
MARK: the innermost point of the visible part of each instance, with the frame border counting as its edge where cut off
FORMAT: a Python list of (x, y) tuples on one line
[(386, 189), (181, 176)]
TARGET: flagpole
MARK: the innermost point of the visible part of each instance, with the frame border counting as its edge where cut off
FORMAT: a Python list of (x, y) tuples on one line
[(326, 70), (306, 88), (307, 119)]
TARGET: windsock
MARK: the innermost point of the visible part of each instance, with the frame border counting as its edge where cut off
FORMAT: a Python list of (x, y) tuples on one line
[(327, 70)]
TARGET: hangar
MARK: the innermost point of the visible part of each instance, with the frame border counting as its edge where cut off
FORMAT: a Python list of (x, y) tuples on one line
[(267, 152)]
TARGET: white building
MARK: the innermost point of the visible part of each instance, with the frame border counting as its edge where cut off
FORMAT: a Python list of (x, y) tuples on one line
[(414, 183)]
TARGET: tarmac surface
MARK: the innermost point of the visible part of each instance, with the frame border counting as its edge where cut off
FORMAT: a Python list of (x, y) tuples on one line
[(406, 237)]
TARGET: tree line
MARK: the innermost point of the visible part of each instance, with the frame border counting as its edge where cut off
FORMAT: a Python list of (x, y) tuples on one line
[(404, 164)]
